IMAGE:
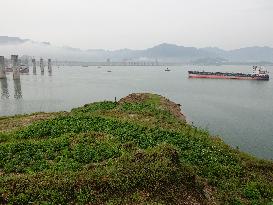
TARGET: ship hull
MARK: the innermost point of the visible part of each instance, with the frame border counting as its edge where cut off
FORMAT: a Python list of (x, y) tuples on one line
[(230, 77)]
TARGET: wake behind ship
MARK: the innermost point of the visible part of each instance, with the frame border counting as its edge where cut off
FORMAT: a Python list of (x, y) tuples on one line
[(258, 74)]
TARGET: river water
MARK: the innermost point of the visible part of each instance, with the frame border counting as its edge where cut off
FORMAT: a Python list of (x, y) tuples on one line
[(239, 111)]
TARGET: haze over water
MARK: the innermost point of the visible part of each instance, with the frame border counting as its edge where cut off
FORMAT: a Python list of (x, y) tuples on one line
[(241, 112)]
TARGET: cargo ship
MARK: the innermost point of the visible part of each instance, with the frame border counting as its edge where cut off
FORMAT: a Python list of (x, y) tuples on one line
[(257, 74)]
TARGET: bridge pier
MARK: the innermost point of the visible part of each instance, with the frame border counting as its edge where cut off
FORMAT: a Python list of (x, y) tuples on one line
[(42, 66), (2, 68), (15, 67), (49, 64), (34, 65)]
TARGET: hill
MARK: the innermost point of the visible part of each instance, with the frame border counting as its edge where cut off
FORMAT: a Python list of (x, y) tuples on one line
[(163, 52), (6, 40), (139, 150)]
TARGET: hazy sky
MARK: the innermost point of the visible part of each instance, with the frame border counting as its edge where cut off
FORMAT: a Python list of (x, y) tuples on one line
[(114, 24)]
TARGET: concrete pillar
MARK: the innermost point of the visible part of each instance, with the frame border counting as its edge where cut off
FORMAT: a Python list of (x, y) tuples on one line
[(42, 66), (49, 64), (4, 88), (17, 89), (2, 68), (34, 65), (15, 67)]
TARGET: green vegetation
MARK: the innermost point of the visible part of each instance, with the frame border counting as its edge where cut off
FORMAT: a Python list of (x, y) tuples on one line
[(136, 151)]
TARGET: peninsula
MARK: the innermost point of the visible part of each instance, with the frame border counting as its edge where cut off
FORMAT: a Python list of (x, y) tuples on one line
[(139, 150)]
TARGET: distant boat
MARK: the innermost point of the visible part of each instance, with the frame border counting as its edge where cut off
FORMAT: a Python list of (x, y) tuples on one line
[(84, 65), (99, 66), (109, 71), (8, 69), (22, 68), (167, 69)]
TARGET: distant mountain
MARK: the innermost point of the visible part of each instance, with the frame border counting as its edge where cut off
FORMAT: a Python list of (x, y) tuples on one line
[(5, 40), (163, 53), (172, 52), (214, 51), (251, 54)]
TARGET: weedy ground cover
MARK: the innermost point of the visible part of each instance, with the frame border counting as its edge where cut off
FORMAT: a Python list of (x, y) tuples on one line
[(135, 151)]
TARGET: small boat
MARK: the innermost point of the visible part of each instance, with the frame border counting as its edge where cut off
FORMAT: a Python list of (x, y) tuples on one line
[(167, 69), (109, 71), (8, 69), (85, 66), (22, 68), (99, 66)]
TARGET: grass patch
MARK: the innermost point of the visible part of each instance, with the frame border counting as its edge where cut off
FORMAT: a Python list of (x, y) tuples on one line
[(97, 154)]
